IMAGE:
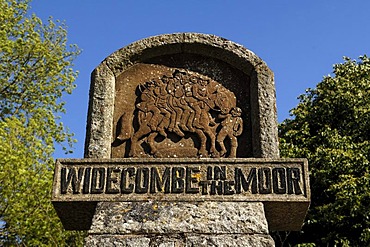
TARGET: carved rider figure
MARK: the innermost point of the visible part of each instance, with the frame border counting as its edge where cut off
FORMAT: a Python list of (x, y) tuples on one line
[(200, 92), (178, 102), (161, 95), (148, 105), (189, 113)]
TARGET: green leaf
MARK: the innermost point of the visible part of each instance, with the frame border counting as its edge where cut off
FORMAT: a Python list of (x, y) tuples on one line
[(331, 127), (35, 72)]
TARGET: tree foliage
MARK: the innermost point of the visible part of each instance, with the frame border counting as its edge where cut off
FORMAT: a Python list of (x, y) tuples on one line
[(35, 71), (331, 127)]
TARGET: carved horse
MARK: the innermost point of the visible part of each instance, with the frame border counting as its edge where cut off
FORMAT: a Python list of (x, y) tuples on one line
[(220, 100)]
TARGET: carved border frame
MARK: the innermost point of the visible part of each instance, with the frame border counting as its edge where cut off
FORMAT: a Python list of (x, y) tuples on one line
[(102, 90)]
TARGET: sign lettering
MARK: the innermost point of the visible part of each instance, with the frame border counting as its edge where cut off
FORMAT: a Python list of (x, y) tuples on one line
[(183, 181)]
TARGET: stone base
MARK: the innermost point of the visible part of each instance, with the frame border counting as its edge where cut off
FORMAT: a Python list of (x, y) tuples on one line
[(179, 224), (181, 240)]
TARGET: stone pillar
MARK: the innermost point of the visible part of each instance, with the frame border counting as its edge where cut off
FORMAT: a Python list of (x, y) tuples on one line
[(179, 224), (181, 150)]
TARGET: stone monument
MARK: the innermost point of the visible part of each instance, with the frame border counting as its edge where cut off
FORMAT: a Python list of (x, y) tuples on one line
[(181, 150)]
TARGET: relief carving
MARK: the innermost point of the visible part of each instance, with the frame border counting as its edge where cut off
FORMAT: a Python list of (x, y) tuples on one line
[(182, 104)]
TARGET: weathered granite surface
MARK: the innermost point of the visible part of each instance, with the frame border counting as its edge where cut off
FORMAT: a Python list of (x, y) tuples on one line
[(179, 217), (188, 240), (179, 224)]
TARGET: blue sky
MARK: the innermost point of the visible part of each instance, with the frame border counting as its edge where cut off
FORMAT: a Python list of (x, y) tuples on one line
[(299, 40)]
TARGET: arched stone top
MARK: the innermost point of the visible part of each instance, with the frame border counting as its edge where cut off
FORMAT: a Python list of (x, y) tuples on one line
[(254, 76), (194, 43)]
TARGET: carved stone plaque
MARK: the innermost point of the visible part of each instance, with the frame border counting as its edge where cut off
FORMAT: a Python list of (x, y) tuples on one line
[(173, 112)]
